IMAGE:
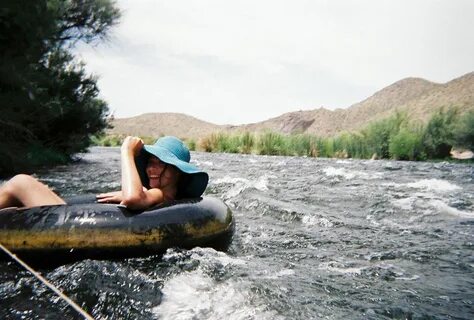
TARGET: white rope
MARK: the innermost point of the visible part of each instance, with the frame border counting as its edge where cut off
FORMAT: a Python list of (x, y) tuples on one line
[(48, 284)]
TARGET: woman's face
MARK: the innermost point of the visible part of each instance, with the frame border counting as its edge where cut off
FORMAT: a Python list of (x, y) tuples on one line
[(161, 174)]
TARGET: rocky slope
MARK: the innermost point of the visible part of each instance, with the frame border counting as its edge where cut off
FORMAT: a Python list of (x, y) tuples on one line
[(158, 124), (418, 97)]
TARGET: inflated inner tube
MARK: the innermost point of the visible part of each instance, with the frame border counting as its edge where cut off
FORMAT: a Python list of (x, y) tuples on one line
[(92, 230)]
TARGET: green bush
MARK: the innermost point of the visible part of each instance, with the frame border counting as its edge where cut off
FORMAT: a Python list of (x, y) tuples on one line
[(302, 145), (271, 143), (394, 137), (438, 137), (463, 133), (247, 142), (327, 147), (209, 144), (220, 142), (229, 143), (107, 140), (37, 155), (406, 145)]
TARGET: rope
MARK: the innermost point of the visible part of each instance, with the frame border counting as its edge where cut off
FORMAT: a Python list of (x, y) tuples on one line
[(48, 284)]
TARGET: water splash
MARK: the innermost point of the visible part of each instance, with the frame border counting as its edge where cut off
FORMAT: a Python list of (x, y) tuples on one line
[(436, 185)]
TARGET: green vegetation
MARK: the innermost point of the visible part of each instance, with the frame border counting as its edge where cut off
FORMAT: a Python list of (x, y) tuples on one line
[(392, 138), (191, 144), (272, 143), (50, 106), (406, 145), (438, 137), (463, 133), (221, 142)]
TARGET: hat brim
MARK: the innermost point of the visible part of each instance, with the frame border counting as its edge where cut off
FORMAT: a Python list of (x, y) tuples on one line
[(166, 156), (196, 180)]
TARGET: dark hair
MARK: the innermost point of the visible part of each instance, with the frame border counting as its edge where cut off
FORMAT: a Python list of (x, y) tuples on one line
[(183, 182), (141, 162)]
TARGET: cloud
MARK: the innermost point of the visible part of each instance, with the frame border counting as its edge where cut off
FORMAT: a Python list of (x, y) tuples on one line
[(245, 61)]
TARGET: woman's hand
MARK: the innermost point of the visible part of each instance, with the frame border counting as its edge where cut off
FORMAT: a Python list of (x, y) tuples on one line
[(110, 197), (132, 145)]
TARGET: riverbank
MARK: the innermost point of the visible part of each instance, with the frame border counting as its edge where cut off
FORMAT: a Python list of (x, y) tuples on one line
[(393, 138)]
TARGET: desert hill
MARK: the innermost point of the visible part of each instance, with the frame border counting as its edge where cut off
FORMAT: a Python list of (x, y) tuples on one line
[(418, 97), (158, 124)]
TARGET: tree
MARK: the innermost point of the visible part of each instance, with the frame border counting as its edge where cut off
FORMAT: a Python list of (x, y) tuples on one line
[(378, 134), (464, 131), (49, 105), (438, 137)]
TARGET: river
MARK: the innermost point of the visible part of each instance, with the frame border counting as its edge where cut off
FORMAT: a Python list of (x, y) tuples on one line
[(315, 239)]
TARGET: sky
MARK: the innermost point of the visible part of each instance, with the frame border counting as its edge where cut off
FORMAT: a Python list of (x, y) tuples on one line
[(245, 61)]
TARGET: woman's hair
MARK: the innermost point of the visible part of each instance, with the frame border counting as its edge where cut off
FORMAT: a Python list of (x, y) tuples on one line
[(183, 181), (141, 162)]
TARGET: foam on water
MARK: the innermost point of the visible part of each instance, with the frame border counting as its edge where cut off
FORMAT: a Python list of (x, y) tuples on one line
[(387, 270), (404, 203), (281, 163), (202, 163), (445, 209), (229, 180), (338, 172), (412, 278), (197, 295), (427, 198), (343, 161), (280, 274), (436, 185), (334, 266), (312, 221), (206, 255), (194, 295), (241, 184), (429, 205), (372, 220), (350, 174)]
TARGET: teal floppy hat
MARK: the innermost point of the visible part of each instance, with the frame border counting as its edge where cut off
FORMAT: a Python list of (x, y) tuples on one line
[(173, 151)]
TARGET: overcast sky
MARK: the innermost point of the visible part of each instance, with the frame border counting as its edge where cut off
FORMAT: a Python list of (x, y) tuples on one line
[(234, 62)]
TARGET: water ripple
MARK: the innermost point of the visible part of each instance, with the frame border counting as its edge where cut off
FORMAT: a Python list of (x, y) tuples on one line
[(315, 239)]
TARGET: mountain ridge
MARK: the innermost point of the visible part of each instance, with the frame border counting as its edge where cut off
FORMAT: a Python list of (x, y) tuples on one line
[(418, 97)]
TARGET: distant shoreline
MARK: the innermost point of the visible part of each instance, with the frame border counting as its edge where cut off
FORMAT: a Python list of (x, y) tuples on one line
[(395, 138)]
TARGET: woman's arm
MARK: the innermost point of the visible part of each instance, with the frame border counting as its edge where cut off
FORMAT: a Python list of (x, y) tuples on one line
[(134, 196)]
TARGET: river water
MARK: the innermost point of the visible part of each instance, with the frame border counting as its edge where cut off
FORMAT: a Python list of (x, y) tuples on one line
[(315, 239)]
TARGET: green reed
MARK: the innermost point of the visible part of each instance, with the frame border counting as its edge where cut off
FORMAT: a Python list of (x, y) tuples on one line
[(395, 137)]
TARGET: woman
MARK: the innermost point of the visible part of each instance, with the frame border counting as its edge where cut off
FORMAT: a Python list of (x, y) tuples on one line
[(151, 174)]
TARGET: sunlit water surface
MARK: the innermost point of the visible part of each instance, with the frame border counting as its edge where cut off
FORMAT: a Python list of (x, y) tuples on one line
[(315, 239)]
